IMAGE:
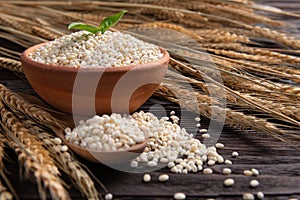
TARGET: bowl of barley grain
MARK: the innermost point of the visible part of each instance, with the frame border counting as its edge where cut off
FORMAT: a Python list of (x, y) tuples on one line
[(84, 74)]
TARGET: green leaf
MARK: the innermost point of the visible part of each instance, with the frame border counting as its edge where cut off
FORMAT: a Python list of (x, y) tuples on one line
[(85, 27), (111, 21)]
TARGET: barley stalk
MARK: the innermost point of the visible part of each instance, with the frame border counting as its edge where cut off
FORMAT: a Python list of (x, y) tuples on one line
[(237, 55), (33, 156), (245, 100), (234, 118), (172, 27), (273, 56), (3, 143), (277, 37), (11, 64), (14, 24), (231, 12), (46, 34), (267, 70), (4, 193), (236, 79), (65, 160), (19, 105), (221, 36)]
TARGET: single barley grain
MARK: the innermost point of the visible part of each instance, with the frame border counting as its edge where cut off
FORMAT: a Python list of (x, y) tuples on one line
[(197, 119), (146, 178), (248, 196), (254, 183), (247, 173), (207, 171), (203, 130), (163, 178), (260, 195), (229, 182), (179, 196), (226, 171), (108, 196), (235, 154), (228, 162), (219, 145), (255, 172)]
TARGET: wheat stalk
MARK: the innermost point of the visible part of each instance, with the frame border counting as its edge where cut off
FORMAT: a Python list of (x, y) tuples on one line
[(231, 12), (11, 64), (246, 56), (4, 20), (221, 36), (32, 156), (4, 193), (19, 105), (244, 100), (234, 118), (234, 78), (171, 26), (273, 56), (65, 160), (277, 37), (46, 34)]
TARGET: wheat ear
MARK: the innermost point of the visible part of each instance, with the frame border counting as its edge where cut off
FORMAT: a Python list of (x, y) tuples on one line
[(33, 156), (246, 101), (234, 118), (4, 193), (65, 160), (11, 64), (19, 105), (171, 26), (221, 36), (44, 33), (277, 37)]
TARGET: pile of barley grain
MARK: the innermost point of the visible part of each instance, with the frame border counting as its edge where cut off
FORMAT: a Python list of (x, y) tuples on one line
[(106, 133), (111, 49)]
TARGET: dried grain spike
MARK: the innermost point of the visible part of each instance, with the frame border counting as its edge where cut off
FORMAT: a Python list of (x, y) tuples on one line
[(277, 37), (15, 24), (234, 118), (255, 51), (172, 27), (11, 64), (292, 112), (66, 161), (44, 33), (232, 12), (19, 105), (237, 55), (221, 36), (33, 156), (3, 142), (4, 193)]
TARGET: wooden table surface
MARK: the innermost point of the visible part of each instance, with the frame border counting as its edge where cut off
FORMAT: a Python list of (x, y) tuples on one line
[(278, 162)]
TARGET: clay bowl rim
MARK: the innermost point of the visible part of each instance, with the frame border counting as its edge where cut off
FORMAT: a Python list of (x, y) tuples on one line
[(25, 58)]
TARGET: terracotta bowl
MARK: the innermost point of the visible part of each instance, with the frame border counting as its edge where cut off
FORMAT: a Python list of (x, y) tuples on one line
[(109, 157), (87, 91)]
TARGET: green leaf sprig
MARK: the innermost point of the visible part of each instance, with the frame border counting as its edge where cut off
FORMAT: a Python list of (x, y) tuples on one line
[(105, 24)]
